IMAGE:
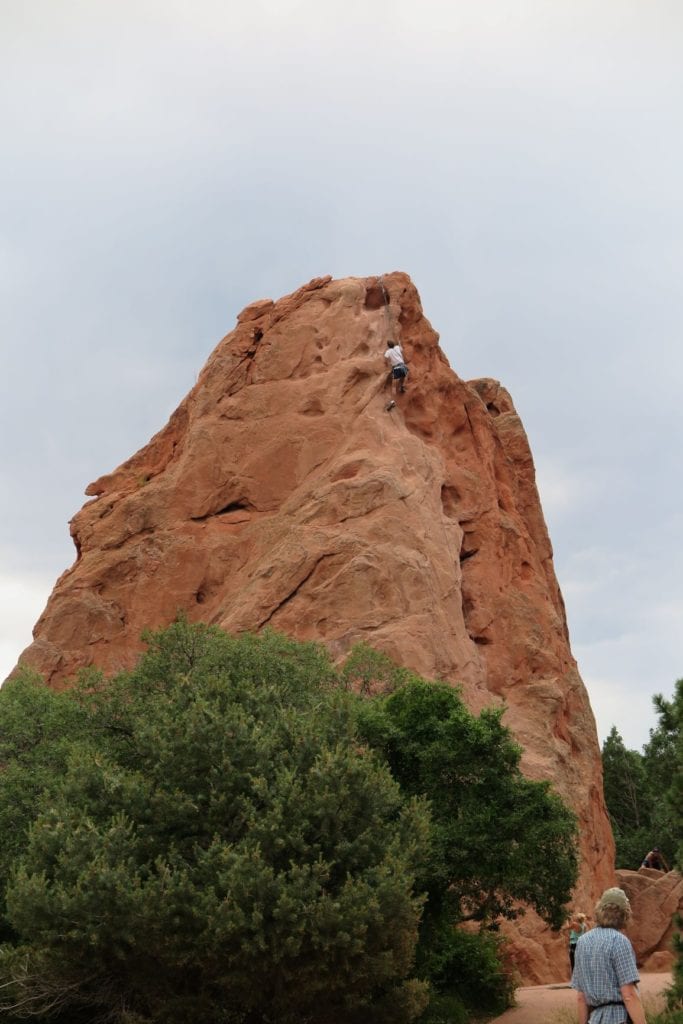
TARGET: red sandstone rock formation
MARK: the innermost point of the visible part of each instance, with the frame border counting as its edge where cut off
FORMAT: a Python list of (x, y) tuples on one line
[(656, 897), (282, 493)]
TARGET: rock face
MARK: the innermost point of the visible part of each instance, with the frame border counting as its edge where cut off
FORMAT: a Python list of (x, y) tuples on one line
[(656, 897), (283, 493)]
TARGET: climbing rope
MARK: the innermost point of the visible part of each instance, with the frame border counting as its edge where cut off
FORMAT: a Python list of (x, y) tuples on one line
[(387, 319), (387, 307)]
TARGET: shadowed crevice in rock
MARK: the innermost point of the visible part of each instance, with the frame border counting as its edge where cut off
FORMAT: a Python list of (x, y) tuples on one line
[(285, 601), (464, 555), (240, 505), (450, 501), (375, 297)]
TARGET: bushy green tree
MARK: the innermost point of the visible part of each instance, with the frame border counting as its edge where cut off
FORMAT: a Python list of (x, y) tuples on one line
[(219, 847), (236, 831), (629, 800), (370, 673), (664, 755), (37, 730), (636, 786), (497, 839), (644, 796)]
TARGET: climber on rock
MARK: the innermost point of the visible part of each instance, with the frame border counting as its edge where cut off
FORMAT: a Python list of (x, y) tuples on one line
[(655, 859), (399, 370)]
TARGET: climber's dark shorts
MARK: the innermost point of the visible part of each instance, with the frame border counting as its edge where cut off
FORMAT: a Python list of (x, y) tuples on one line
[(399, 372)]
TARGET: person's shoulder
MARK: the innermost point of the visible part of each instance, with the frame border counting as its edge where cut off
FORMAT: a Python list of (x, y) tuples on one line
[(619, 944), (595, 936)]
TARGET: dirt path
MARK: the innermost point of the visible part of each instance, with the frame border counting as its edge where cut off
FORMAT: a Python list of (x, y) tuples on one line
[(540, 1003)]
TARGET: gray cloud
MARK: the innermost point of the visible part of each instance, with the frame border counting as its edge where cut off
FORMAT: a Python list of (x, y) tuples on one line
[(169, 163)]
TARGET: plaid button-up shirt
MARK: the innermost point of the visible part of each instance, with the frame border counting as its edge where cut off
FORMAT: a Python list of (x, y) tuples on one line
[(604, 962)]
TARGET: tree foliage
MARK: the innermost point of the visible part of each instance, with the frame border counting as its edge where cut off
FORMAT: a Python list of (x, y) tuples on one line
[(498, 839), (640, 787), (237, 832), (219, 847), (664, 753), (37, 730), (629, 800), (644, 796)]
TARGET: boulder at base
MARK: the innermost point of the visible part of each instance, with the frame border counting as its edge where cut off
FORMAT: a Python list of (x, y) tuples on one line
[(656, 897)]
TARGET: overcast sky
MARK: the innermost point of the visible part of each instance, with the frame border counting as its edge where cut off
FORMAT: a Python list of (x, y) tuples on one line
[(165, 163)]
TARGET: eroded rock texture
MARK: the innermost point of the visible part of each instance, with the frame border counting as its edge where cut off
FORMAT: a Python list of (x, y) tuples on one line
[(282, 493)]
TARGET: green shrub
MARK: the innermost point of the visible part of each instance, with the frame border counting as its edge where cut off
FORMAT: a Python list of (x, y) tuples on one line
[(230, 834), (675, 992), (498, 839), (445, 1010), (469, 965), (220, 847), (644, 791), (37, 730), (666, 1017)]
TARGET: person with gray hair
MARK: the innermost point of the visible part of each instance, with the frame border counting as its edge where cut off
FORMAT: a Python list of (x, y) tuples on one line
[(605, 973)]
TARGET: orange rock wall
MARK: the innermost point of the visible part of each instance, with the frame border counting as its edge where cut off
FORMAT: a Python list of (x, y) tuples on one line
[(282, 493)]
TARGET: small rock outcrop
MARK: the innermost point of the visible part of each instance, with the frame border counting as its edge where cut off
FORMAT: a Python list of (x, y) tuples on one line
[(656, 897), (283, 493)]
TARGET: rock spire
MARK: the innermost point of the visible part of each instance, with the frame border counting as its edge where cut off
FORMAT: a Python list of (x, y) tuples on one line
[(283, 493)]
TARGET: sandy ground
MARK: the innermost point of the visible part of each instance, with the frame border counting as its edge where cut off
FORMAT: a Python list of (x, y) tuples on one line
[(540, 1003)]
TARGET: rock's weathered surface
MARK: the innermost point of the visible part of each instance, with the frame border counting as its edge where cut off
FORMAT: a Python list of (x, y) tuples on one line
[(282, 493), (656, 897)]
